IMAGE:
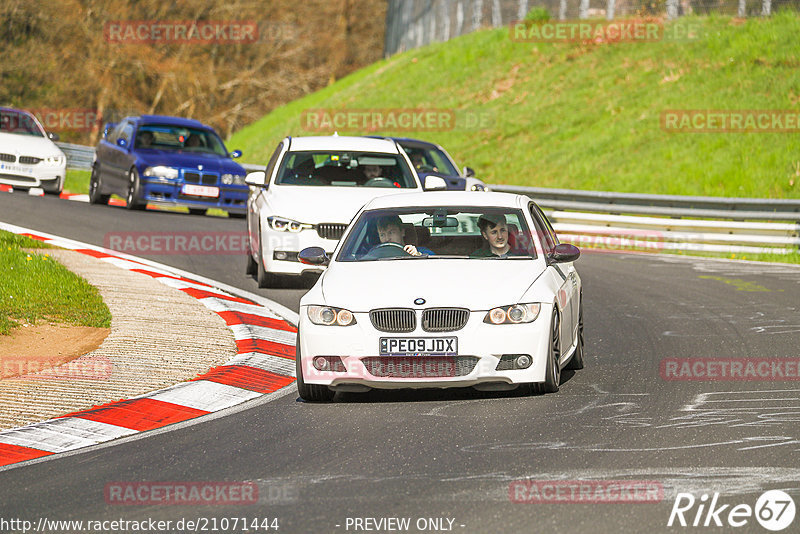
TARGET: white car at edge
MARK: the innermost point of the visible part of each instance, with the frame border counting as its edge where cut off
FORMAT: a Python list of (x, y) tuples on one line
[(28, 156), (458, 315), (310, 190)]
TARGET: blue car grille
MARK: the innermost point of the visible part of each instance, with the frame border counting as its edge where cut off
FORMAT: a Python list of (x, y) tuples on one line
[(199, 179)]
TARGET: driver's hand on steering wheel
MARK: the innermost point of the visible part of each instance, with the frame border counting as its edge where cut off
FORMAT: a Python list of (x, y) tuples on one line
[(411, 249)]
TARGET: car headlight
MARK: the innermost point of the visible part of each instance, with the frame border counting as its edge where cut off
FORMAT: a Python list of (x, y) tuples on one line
[(513, 314), (478, 187), (330, 316), (237, 179), (161, 171), (281, 224), (55, 161)]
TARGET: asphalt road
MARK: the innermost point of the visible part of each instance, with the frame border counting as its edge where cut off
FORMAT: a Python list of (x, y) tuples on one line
[(453, 454)]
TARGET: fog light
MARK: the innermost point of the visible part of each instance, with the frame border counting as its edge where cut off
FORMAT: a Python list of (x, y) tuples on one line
[(523, 361), (321, 364), (280, 255)]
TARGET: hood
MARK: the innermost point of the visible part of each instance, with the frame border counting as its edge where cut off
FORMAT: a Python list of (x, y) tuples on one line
[(28, 145), (317, 204), (210, 162), (479, 284)]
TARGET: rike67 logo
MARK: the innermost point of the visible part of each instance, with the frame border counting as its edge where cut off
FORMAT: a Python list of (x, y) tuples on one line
[(774, 510)]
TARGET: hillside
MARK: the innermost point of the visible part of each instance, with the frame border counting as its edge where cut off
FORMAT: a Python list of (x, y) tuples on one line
[(587, 116)]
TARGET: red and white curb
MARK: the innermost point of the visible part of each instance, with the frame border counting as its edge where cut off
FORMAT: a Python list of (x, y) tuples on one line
[(264, 364), (66, 195)]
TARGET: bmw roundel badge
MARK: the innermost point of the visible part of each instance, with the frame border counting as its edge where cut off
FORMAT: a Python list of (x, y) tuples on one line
[(419, 302)]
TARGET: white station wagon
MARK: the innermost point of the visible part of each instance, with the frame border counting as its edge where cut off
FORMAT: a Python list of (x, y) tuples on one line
[(451, 289)]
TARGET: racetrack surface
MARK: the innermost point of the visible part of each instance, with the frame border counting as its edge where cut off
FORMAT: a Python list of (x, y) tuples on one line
[(453, 453)]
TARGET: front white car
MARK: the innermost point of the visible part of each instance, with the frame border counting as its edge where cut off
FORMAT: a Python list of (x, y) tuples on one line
[(28, 158), (444, 320), (308, 194)]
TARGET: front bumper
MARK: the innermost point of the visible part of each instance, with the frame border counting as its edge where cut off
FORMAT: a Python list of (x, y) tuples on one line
[(231, 198), (277, 244), (477, 340), (26, 176)]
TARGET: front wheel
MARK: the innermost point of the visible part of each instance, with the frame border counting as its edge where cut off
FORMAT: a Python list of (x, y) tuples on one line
[(264, 278), (96, 188), (576, 362), (132, 200), (552, 375), (309, 392)]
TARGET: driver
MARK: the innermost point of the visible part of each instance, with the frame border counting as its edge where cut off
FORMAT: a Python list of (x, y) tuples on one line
[(145, 138), (372, 171), (390, 230)]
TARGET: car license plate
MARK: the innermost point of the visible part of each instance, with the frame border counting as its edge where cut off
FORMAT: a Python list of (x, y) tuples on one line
[(200, 190), (15, 168), (419, 346)]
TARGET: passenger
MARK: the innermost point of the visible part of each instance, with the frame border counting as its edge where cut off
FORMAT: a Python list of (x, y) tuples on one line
[(390, 230), (494, 231)]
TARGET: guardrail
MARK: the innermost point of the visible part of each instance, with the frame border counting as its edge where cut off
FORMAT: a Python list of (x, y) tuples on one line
[(631, 221), (638, 221), (79, 157)]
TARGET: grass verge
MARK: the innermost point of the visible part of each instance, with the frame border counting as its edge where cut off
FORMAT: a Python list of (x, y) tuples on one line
[(34, 287)]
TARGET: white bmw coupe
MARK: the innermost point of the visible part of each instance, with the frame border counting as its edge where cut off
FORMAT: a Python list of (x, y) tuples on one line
[(440, 290)]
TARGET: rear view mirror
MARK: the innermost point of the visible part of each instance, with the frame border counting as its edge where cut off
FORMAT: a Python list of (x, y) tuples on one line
[(313, 256), (434, 183), (53, 136), (469, 172), (440, 222), (256, 178), (122, 143), (564, 253)]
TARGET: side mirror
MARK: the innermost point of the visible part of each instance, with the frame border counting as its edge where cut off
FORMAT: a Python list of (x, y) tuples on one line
[(122, 142), (434, 183), (256, 178), (313, 256), (469, 172), (108, 127), (53, 136), (564, 253), (236, 154)]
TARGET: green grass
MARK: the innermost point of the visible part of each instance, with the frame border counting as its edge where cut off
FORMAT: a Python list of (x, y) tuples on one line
[(34, 288), (587, 116), (77, 181)]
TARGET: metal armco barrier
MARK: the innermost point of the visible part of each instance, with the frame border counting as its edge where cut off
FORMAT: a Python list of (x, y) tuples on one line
[(641, 221)]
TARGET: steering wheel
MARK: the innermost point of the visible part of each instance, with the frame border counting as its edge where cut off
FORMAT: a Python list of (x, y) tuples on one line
[(386, 250), (379, 181), (426, 168)]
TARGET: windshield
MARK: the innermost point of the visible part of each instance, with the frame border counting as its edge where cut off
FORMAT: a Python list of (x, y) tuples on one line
[(439, 232), (17, 122), (174, 138), (347, 169), (431, 160)]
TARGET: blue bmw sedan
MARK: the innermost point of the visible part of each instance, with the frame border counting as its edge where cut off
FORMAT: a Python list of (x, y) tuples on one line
[(155, 159)]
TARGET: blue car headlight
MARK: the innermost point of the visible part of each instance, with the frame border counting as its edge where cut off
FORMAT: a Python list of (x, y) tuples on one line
[(162, 172), (236, 179)]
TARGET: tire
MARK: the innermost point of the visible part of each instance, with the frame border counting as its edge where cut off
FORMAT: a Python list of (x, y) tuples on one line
[(95, 187), (553, 375), (309, 392), (57, 189), (197, 211), (132, 201), (252, 267), (576, 362)]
